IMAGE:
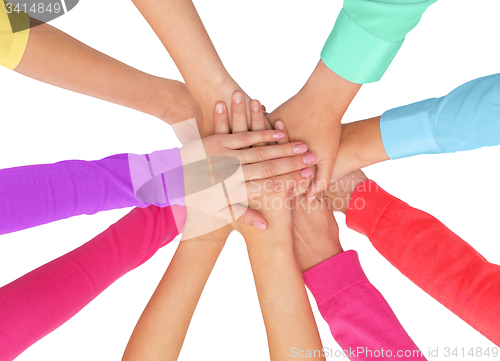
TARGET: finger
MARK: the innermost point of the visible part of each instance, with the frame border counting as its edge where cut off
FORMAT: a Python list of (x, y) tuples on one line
[(275, 167), (321, 181), (280, 125), (268, 124), (221, 118), (261, 154), (247, 139), (301, 189), (264, 109), (252, 218), (260, 188), (239, 113), (258, 121)]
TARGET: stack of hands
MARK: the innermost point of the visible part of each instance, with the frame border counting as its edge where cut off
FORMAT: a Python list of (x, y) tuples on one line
[(277, 178)]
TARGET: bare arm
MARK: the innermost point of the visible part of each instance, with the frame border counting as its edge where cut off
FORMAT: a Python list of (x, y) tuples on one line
[(287, 314), (180, 29), (360, 146), (56, 58), (320, 104), (161, 330)]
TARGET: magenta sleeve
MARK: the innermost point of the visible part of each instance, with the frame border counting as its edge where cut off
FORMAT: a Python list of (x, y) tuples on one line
[(360, 319), (39, 302), (38, 194)]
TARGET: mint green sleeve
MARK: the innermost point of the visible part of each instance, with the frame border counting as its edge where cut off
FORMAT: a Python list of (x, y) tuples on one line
[(367, 36)]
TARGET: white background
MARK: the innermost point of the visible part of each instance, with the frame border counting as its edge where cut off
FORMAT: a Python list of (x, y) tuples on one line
[(270, 48)]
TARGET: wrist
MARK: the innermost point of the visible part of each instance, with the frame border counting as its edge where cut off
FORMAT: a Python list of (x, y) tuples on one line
[(341, 191), (360, 146), (332, 91), (311, 252), (173, 102)]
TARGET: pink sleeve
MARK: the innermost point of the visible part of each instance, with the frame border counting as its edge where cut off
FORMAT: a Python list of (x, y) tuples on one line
[(39, 302), (361, 320), (431, 256)]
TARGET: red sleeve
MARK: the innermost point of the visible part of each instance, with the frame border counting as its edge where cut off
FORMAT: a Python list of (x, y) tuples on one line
[(431, 256)]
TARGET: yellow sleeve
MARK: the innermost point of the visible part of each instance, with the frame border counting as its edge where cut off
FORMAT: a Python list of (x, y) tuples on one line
[(12, 43)]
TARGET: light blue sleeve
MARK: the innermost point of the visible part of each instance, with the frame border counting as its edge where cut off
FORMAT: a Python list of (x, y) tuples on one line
[(467, 118)]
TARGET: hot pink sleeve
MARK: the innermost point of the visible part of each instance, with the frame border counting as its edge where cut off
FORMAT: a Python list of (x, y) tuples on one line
[(360, 319), (431, 256), (39, 302)]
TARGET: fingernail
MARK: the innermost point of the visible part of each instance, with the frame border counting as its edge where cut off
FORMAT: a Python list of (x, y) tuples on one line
[(308, 158), (290, 194), (306, 172), (219, 108), (279, 125), (255, 106), (237, 98), (278, 135), (260, 225), (299, 148), (312, 198)]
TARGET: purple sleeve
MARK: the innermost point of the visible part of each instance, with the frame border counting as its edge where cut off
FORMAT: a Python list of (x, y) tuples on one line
[(360, 319), (39, 194)]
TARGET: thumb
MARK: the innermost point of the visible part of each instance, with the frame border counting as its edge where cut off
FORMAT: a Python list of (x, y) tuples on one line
[(321, 181), (251, 218)]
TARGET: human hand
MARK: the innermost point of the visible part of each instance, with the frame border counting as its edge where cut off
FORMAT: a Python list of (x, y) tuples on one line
[(272, 206), (340, 192), (228, 92), (265, 170), (313, 116), (315, 232)]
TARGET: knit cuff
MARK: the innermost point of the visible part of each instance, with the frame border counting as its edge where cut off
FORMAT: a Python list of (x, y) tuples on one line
[(334, 275), (355, 54), (366, 205), (158, 178), (406, 131)]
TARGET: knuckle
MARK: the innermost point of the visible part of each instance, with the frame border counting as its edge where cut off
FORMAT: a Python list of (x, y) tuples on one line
[(270, 170), (271, 185), (246, 138), (260, 154), (297, 162)]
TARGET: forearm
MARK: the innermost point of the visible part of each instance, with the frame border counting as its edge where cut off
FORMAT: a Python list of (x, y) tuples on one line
[(283, 299), (58, 59), (287, 314), (464, 119), (358, 315), (180, 29), (39, 194), (430, 255), (367, 36), (360, 146), (161, 330), (39, 302)]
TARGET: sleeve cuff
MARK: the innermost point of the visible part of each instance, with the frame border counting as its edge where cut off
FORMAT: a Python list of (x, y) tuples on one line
[(366, 205), (168, 163), (14, 35), (355, 54), (334, 275), (406, 131), (158, 178)]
